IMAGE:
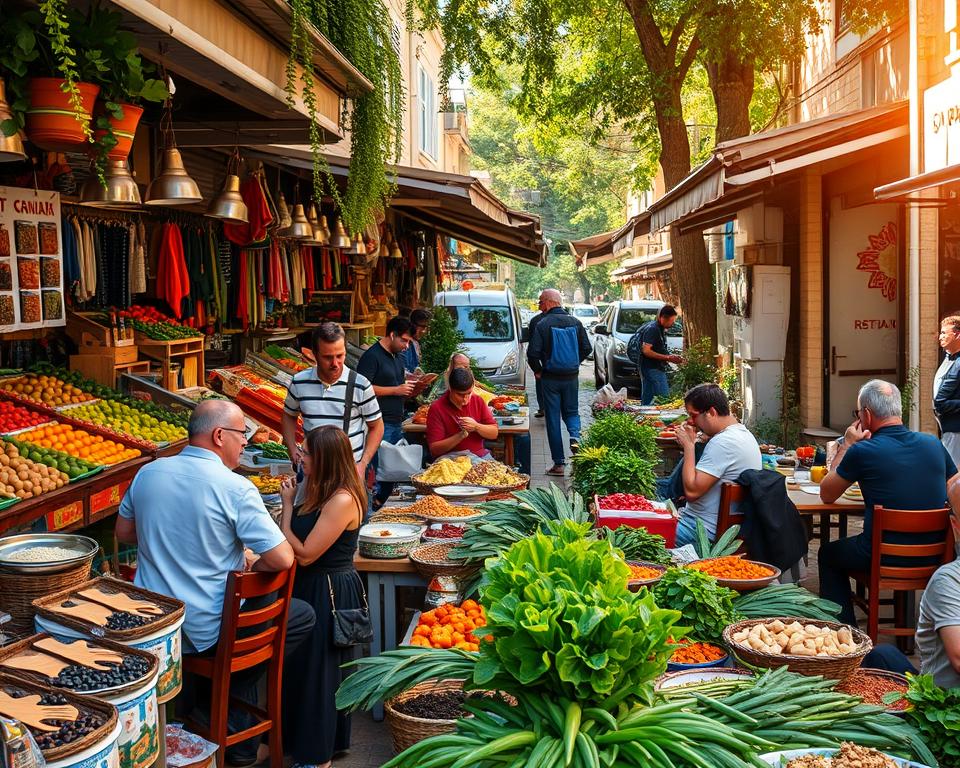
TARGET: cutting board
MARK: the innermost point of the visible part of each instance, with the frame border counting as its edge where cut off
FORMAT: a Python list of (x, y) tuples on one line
[(29, 711), (32, 661), (80, 652), (121, 601), (82, 609)]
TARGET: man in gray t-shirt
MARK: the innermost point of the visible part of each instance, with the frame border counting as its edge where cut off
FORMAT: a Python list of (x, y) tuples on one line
[(938, 631)]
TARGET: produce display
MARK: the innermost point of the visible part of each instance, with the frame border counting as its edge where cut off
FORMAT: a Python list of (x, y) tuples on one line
[(450, 627), (157, 325), (420, 416), (267, 484), (732, 567), (643, 572), (78, 677), (41, 555), (444, 531), (22, 478), (79, 443), (285, 358), (492, 474), (872, 688), (14, 417), (631, 501), (797, 639), (725, 545), (446, 471), (437, 506), (639, 544), (696, 653), (935, 712), (129, 421), (440, 705), (601, 471), (49, 390), (705, 606), (71, 465), (785, 600), (274, 450)]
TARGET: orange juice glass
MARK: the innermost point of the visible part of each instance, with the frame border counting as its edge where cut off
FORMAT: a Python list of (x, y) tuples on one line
[(817, 474)]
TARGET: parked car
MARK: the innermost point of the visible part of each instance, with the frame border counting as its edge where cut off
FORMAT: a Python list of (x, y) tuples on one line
[(526, 315), (491, 328), (587, 314), (611, 335)]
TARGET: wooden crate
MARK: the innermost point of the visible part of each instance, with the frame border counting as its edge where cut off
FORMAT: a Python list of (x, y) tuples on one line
[(87, 333), (106, 368), (187, 353)]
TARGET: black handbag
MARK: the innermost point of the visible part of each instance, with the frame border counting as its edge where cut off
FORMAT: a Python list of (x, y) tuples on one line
[(351, 626)]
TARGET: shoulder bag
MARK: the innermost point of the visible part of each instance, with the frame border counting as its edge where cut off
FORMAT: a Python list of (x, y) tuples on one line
[(351, 626)]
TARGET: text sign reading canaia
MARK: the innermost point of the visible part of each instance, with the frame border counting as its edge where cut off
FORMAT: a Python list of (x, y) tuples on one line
[(31, 260)]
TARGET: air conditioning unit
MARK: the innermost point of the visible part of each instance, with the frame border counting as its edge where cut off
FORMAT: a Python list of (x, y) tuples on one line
[(759, 223)]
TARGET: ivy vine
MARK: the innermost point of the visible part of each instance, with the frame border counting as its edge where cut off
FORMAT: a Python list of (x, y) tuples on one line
[(361, 30), (55, 19)]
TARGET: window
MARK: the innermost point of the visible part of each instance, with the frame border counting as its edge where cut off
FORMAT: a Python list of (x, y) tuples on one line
[(483, 323), (427, 94), (585, 312), (395, 39), (630, 320)]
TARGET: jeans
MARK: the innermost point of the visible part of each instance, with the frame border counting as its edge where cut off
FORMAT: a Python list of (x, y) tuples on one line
[(538, 388), (244, 684), (837, 560), (560, 401), (686, 530), (654, 383), (521, 452), (890, 658), (392, 433)]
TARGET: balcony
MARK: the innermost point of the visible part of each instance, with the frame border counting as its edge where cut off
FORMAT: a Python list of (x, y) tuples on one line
[(455, 123)]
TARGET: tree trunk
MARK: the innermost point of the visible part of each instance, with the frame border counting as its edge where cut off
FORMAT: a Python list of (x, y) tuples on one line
[(732, 82)]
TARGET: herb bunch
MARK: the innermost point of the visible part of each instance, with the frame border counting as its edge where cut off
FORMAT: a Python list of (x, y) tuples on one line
[(705, 606)]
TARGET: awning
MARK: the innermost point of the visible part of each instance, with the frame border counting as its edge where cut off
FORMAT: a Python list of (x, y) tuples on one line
[(744, 168), (932, 189), (643, 266), (599, 249), (458, 206)]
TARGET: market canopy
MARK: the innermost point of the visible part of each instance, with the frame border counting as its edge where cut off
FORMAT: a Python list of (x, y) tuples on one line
[(932, 189), (599, 249), (642, 266), (743, 169), (458, 206)]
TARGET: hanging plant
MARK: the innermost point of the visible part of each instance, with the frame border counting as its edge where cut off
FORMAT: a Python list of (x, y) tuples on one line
[(361, 30), (55, 19)]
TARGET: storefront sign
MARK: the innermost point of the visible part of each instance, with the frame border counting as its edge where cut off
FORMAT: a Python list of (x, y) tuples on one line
[(31, 260), (108, 497), (68, 514), (941, 125)]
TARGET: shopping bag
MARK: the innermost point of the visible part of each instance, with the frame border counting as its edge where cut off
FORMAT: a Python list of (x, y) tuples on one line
[(397, 463)]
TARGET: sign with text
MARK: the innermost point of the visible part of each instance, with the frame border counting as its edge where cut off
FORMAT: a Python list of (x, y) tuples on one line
[(941, 125)]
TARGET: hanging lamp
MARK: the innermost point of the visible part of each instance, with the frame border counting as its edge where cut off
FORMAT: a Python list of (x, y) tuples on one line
[(283, 212), (121, 189), (228, 205), (173, 185), (11, 147), (320, 236), (358, 248), (325, 229), (340, 238)]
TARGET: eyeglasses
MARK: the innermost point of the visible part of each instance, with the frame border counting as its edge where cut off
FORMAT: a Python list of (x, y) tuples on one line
[(233, 429), (857, 412)]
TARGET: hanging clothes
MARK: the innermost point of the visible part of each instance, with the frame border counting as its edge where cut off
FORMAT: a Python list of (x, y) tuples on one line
[(173, 280), (138, 258), (258, 214), (71, 261)]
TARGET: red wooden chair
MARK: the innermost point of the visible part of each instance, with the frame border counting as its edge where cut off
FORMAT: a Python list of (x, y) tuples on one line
[(238, 650), (730, 494), (901, 580)]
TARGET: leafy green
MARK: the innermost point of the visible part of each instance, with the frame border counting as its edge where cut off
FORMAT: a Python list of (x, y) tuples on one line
[(727, 544), (639, 544), (705, 606), (622, 432), (935, 712), (785, 600), (562, 618), (602, 471)]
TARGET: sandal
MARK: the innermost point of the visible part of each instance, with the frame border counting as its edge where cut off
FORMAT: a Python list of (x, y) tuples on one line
[(557, 470)]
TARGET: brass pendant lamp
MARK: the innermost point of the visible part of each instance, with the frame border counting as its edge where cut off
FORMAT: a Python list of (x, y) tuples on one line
[(173, 185), (121, 189), (228, 205), (11, 147), (340, 238), (320, 236)]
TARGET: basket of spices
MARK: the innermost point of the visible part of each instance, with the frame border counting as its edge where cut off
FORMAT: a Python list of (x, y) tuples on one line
[(691, 654), (434, 560), (825, 648), (737, 573), (872, 685), (643, 574), (387, 541)]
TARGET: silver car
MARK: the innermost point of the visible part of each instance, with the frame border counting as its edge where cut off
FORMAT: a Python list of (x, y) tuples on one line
[(612, 334)]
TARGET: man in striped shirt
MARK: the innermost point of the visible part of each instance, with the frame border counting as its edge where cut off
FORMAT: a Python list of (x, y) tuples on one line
[(320, 395)]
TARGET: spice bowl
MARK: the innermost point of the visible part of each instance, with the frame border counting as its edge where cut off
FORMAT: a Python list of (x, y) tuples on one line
[(634, 584), (679, 666), (386, 541)]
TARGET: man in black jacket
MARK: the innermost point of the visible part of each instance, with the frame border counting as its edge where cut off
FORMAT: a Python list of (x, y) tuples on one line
[(557, 346), (531, 329), (946, 387)]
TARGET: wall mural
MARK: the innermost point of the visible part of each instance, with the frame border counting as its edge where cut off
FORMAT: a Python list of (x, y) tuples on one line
[(880, 260)]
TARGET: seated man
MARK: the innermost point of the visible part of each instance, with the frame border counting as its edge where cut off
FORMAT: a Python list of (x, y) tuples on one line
[(192, 518), (458, 421), (730, 450), (938, 630), (896, 468)]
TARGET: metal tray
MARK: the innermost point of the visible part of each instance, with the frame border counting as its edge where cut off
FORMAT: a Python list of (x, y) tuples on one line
[(84, 546)]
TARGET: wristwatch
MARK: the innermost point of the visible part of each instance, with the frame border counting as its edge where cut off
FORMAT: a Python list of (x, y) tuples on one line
[(463, 433)]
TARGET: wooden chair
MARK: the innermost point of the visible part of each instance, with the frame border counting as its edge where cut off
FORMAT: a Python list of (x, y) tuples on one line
[(901, 580), (730, 494), (239, 650)]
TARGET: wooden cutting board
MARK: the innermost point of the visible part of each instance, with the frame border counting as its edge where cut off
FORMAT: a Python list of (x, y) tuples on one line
[(32, 661), (80, 652), (82, 609), (29, 711), (121, 601)]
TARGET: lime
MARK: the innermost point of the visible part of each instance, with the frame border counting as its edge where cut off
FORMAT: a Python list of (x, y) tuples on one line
[(34, 456), (63, 466)]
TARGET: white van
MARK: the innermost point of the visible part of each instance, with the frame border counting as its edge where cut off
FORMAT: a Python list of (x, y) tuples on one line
[(491, 328)]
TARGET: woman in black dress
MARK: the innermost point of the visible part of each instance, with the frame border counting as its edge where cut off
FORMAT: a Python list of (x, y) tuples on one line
[(323, 532)]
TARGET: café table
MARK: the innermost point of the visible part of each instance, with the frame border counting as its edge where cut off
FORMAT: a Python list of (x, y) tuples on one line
[(507, 431), (810, 505)]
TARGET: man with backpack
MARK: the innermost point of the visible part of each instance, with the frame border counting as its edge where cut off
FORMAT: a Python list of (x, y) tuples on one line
[(648, 349), (557, 346)]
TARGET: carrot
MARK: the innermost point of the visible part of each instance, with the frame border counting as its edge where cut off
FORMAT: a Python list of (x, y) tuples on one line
[(697, 653), (732, 567), (450, 626)]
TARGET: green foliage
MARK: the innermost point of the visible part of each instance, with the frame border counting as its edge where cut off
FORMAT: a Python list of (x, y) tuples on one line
[(788, 429), (697, 368), (439, 343), (639, 544), (935, 712), (602, 471), (622, 432), (562, 619), (361, 30), (908, 392), (706, 607), (785, 600)]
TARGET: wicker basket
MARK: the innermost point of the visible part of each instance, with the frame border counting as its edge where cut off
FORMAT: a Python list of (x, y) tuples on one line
[(830, 667), (881, 673), (172, 610), (19, 590), (493, 492), (430, 568), (85, 704), (406, 730)]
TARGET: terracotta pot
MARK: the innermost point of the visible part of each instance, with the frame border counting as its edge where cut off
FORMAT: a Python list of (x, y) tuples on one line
[(124, 129), (51, 122)]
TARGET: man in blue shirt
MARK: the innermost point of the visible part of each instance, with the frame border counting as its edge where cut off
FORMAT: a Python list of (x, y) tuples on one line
[(896, 469), (419, 322), (194, 521), (655, 355)]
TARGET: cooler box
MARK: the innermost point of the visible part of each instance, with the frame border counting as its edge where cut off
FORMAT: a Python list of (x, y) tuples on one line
[(662, 524)]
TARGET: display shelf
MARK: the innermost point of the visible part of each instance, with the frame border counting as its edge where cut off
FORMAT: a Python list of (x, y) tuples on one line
[(188, 353)]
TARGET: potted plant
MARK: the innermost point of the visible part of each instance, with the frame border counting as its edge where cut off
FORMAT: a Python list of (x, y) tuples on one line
[(49, 82), (124, 80)]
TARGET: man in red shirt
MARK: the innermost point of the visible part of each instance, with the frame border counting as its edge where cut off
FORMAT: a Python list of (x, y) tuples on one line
[(458, 421)]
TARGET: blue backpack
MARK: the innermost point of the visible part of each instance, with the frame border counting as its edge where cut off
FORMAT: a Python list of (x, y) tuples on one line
[(635, 346), (565, 353)]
